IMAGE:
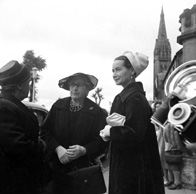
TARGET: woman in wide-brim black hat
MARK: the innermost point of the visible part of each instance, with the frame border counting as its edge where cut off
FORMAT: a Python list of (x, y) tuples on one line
[(71, 131)]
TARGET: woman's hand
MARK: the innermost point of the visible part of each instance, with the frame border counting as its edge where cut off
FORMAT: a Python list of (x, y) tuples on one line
[(75, 151), (62, 155), (105, 133), (172, 136)]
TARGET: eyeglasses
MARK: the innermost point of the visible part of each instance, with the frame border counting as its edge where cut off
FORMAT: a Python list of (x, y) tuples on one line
[(72, 85)]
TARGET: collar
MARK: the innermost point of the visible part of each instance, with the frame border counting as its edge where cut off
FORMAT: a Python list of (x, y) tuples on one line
[(131, 89)]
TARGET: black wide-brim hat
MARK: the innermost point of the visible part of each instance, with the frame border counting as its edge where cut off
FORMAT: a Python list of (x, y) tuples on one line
[(92, 80), (13, 73)]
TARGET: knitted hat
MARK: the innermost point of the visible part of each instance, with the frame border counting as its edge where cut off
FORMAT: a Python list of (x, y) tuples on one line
[(13, 73), (139, 61), (92, 80)]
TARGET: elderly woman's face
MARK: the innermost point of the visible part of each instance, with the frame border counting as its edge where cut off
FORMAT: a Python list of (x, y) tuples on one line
[(121, 74), (78, 89)]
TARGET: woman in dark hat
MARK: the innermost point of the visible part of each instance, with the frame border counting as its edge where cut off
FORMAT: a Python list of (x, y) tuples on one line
[(20, 150), (71, 131), (135, 166)]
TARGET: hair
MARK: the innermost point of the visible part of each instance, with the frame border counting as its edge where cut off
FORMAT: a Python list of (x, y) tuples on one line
[(127, 63), (12, 89), (8, 89)]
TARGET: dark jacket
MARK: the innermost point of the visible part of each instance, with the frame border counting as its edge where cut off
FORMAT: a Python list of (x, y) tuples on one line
[(58, 130), (135, 166), (20, 153)]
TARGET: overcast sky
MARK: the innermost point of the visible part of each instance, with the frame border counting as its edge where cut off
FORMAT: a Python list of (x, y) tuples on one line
[(85, 36)]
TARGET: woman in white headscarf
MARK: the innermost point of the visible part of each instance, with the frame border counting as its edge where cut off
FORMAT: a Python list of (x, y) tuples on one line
[(135, 166)]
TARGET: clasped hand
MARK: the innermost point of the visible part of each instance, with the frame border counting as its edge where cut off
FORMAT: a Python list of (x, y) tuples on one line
[(72, 153), (105, 133), (75, 151)]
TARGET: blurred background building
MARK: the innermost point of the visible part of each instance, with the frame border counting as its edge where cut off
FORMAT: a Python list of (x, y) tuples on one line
[(163, 65)]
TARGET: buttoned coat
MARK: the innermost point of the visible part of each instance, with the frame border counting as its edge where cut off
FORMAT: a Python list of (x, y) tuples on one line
[(135, 166), (58, 130), (20, 153)]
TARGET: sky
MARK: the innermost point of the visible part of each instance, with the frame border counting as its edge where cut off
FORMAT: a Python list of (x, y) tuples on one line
[(85, 36)]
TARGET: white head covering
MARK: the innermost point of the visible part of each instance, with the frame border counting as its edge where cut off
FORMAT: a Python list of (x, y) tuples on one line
[(139, 61)]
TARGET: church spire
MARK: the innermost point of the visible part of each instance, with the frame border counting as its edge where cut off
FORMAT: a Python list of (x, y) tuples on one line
[(162, 51), (162, 29), (162, 59)]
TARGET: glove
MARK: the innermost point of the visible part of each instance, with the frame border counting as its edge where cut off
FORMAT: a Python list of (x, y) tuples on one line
[(62, 154), (75, 151), (115, 119), (105, 133)]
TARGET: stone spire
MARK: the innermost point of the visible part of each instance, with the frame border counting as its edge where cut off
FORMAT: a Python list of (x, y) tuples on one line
[(162, 29), (162, 59), (162, 47)]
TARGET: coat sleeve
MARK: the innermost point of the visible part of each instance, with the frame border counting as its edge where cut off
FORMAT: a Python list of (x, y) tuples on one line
[(14, 137), (136, 124), (96, 146), (47, 133)]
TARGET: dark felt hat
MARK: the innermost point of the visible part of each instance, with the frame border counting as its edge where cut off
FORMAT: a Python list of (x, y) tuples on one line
[(92, 80), (13, 73)]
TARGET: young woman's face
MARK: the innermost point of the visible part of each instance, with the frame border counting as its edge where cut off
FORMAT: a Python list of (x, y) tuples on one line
[(121, 74)]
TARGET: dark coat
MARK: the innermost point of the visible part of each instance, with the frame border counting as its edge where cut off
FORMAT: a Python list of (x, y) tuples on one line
[(135, 166), (20, 153), (59, 129)]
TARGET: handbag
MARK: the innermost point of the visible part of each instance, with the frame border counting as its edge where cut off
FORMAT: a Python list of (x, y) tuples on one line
[(87, 180), (173, 156)]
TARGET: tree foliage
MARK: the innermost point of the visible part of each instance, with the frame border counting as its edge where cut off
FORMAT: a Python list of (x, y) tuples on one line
[(98, 96), (31, 61)]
